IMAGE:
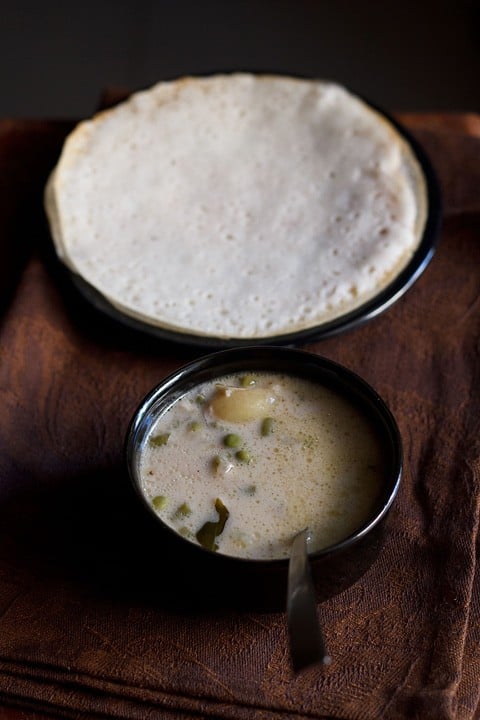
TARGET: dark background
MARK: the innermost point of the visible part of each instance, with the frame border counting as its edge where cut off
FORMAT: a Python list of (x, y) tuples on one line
[(56, 57)]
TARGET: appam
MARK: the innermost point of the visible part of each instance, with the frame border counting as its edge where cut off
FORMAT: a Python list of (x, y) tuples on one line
[(240, 208)]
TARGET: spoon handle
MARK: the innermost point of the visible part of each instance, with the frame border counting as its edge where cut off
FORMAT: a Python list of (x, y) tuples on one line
[(307, 646)]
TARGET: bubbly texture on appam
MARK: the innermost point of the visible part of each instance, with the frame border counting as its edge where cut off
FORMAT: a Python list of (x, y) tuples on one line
[(238, 205)]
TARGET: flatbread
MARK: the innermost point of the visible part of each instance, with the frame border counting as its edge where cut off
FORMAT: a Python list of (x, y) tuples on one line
[(237, 205)]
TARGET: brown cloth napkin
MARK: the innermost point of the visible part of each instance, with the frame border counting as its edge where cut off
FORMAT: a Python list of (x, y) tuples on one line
[(92, 620)]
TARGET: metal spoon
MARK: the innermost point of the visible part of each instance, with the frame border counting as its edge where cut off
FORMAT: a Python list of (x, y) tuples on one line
[(307, 646)]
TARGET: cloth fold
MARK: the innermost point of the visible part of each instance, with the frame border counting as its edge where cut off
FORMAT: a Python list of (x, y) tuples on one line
[(92, 621)]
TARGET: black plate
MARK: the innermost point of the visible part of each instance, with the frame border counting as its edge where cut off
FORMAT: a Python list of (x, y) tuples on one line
[(375, 306)]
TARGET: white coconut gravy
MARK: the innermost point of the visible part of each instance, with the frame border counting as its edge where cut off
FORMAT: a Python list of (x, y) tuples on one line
[(243, 463)]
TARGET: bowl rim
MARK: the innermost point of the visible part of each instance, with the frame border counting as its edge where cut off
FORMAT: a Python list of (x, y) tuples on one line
[(231, 360)]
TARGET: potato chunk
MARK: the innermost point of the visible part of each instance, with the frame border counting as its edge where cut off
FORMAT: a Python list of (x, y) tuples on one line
[(240, 405)]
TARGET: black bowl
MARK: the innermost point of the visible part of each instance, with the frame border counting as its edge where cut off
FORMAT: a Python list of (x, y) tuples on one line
[(215, 579)]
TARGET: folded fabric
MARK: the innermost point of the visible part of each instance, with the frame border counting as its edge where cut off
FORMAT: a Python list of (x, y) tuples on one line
[(94, 617)]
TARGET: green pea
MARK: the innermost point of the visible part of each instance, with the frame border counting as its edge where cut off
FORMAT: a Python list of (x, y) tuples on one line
[(247, 380), (243, 456), (231, 440), (195, 426), (159, 502), (183, 510), (216, 463), (158, 440), (266, 426), (185, 532)]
